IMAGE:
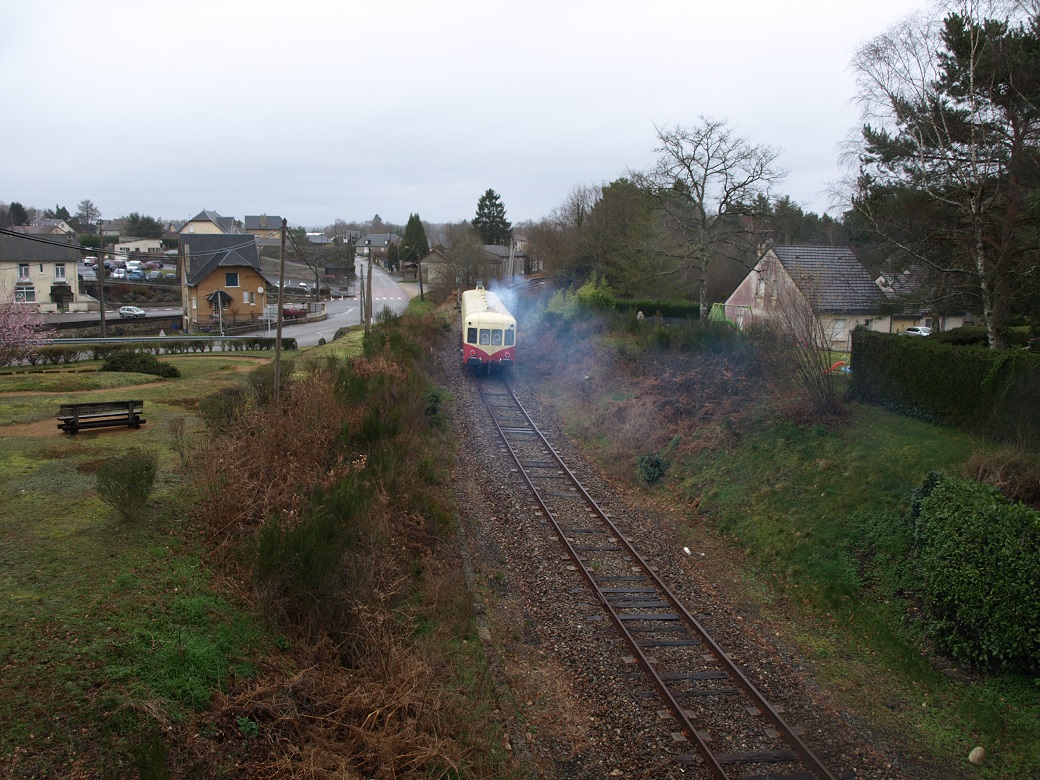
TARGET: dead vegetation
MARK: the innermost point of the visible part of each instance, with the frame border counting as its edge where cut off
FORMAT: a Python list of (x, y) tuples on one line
[(320, 515)]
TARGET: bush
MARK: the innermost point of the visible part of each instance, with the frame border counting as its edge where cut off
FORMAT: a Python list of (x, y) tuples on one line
[(125, 482), (978, 558), (130, 361), (651, 468)]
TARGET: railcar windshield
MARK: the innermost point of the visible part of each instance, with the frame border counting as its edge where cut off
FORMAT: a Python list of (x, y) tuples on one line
[(471, 335), (496, 338), (509, 338), (485, 336)]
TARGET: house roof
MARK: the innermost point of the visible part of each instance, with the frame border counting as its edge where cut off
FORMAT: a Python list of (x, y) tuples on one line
[(838, 280), (19, 249), (227, 224), (378, 239), (262, 222), (205, 253)]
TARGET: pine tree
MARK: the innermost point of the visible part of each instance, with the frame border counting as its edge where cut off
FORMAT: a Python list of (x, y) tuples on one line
[(414, 245), (490, 222)]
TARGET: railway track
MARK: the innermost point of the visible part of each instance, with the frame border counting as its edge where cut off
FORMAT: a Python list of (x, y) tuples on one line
[(737, 733)]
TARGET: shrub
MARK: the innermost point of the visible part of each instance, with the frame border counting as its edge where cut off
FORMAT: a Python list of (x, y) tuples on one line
[(130, 361), (222, 409), (651, 468), (978, 558), (125, 482)]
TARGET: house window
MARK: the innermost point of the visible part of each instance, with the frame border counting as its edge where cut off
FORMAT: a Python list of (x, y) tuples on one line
[(23, 272), (760, 289), (59, 272), (25, 295), (838, 329), (231, 279)]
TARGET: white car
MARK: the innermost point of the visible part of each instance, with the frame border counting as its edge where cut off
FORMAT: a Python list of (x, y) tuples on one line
[(118, 273), (133, 312), (918, 330)]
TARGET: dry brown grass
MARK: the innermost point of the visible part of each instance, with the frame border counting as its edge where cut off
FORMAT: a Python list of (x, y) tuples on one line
[(361, 691), (1013, 474)]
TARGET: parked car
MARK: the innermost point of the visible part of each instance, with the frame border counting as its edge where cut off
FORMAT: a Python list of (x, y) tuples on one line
[(918, 330), (133, 312), (136, 276), (118, 273), (91, 261), (155, 274)]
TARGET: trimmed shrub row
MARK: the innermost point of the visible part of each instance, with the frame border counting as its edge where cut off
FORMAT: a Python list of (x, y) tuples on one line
[(55, 354), (980, 390)]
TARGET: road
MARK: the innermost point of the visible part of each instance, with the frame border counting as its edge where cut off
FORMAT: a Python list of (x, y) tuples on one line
[(346, 312), (342, 313)]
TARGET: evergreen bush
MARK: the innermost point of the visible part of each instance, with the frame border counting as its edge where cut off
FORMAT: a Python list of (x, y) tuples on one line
[(132, 361), (651, 468), (977, 555)]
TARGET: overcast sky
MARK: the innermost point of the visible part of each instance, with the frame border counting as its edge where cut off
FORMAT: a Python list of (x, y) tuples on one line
[(322, 109)]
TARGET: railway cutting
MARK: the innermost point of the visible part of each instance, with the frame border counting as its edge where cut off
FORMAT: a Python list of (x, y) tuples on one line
[(714, 706)]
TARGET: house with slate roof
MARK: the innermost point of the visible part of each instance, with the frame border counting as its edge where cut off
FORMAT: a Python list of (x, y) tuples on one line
[(208, 222), (222, 285), (42, 273), (263, 225), (376, 246), (829, 278)]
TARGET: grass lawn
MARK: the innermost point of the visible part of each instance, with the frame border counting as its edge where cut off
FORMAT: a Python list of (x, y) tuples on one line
[(820, 513), (100, 619)]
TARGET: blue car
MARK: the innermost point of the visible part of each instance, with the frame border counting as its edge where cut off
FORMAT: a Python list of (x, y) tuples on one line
[(137, 276)]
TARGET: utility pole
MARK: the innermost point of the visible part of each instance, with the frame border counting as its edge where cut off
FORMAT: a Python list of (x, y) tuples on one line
[(418, 268), (101, 278), (278, 333)]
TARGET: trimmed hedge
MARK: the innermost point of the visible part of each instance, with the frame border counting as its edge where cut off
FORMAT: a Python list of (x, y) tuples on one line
[(977, 555), (131, 362), (980, 390)]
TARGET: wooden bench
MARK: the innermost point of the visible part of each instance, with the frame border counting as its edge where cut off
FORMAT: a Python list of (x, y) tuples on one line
[(100, 414)]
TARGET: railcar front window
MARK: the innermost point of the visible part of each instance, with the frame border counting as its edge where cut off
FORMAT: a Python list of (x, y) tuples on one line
[(471, 335), (485, 336), (509, 338), (496, 338)]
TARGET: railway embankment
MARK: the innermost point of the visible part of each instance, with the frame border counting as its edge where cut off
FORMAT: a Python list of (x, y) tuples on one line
[(792, 523)]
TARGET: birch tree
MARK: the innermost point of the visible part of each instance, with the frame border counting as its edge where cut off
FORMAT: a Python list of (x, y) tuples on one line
[(948, 159)]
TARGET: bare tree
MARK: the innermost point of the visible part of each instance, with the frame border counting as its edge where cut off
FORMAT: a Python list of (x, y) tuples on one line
[(708, 182), (799, 351)]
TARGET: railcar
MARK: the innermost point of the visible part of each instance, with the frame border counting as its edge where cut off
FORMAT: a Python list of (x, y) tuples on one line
[(488, 331)]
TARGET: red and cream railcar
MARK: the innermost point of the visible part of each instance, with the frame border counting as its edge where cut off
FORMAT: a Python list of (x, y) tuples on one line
[(488, 331)]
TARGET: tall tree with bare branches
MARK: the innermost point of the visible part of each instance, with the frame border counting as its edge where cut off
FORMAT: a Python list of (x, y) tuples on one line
[(709, 183)]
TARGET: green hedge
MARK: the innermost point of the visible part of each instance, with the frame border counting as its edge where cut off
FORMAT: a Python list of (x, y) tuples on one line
[(977, 555), (980, 390)]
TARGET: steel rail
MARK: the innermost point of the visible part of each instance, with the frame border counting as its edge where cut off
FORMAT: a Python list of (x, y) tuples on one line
[(805, 754)]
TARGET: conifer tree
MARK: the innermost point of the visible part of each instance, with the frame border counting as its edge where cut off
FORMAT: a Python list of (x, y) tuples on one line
[(490, 223), (414, 245)]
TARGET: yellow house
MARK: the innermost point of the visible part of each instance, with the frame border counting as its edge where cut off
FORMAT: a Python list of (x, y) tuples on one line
[(223, 287), (207, 223), (42, 273)]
